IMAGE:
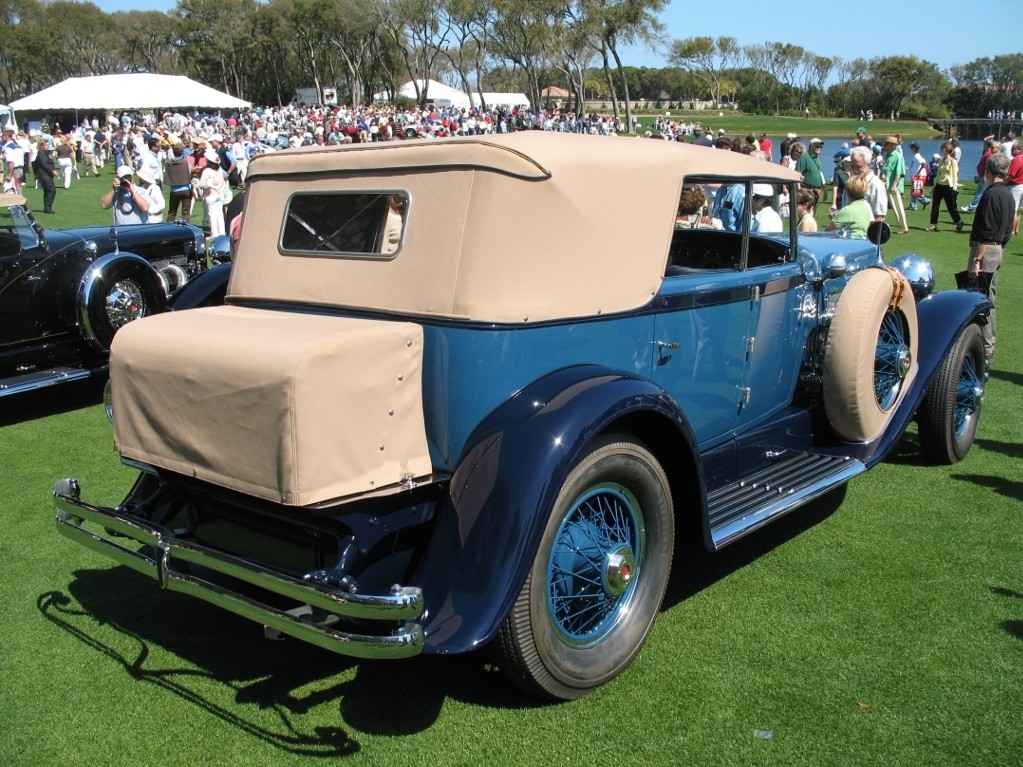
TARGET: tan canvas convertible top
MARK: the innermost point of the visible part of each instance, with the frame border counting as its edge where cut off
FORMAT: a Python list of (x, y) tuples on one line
[(522, 227)]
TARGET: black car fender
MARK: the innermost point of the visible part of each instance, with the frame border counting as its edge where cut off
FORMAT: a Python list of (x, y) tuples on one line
[(489, 528), (208, 289)]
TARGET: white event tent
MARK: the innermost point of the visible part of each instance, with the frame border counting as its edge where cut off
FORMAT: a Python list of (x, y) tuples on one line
[(127, 91), (440, 92)]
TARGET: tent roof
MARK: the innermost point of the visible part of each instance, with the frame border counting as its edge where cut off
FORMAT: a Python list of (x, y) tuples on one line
[(128, 91), (458, 98), (503, 99), (436, 90)]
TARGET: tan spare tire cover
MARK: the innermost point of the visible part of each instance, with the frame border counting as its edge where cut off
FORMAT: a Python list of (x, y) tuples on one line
[(850, 398)]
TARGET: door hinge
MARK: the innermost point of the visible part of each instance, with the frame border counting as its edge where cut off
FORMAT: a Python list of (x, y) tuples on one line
[(745, 393)]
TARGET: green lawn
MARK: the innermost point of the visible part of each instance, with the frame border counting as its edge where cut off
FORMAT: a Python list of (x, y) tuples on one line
[(882, 626)]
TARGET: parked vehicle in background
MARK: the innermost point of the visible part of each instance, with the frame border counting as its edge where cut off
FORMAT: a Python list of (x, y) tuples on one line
[(406, 431), (7, 118), (65, 292)]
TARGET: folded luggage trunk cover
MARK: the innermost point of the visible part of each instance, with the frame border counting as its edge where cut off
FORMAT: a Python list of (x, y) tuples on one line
[(294, 408)]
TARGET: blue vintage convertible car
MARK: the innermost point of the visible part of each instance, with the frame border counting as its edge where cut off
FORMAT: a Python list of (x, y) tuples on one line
[(465, 393)]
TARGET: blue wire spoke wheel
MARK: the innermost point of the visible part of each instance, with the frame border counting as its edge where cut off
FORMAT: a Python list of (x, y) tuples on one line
[(950, 412), (892, 360), (598, 576), (593, 564)]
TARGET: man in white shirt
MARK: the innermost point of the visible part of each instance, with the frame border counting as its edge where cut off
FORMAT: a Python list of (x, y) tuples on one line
[(149, 159), (1007, 142), (765, 218), (877, 195), (14, 159)]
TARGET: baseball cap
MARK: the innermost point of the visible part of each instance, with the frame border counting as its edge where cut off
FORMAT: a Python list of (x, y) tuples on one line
[(125, 170)]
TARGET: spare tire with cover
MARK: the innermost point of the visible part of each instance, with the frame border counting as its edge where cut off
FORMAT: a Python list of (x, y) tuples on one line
[(871, 353), (116, 290)]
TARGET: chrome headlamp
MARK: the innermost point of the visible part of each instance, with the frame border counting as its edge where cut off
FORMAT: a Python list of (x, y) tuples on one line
[(919, 272)]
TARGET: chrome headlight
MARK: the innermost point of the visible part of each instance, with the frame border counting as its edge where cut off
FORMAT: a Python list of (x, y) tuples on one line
[(198, 246), (919, 272), (220, 249)]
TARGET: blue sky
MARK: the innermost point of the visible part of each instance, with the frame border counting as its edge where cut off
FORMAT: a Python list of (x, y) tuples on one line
[(945, 32)]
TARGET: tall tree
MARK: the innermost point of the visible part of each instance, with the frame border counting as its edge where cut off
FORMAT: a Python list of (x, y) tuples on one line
[(900, 78), (309, 22), (216, 41), (419, 32), (85, 43), (353, 34), (26, 49), (469, 21), (147, 40), (523, 36), (706, 58), (623, 22)]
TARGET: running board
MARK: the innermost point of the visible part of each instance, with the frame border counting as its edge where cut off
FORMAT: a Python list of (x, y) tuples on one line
[(41, 378), (742, 506)]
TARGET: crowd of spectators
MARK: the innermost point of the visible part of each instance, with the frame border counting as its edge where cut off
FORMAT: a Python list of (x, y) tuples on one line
[(162, 146)]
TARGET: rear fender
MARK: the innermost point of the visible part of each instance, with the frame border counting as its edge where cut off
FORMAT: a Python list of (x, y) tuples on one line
[(488, 530)]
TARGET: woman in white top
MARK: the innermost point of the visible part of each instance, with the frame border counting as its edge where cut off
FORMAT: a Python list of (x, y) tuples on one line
[(213, 183)]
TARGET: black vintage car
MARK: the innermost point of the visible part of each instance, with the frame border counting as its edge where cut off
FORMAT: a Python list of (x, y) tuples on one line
[(65, 292)]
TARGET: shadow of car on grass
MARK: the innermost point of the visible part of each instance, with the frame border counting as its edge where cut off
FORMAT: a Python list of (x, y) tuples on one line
[(141, 624)]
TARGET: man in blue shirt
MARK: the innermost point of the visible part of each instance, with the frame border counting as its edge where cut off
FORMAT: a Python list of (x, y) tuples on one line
[(730, 207)]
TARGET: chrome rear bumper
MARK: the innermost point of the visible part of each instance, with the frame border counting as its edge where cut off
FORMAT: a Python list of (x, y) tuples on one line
[(162, 560)]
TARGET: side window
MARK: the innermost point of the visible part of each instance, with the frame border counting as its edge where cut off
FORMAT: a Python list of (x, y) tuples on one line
[(17, 228), (364, 224), (728, 224)]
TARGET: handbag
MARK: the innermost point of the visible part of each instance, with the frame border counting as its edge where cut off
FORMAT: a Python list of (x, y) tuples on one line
[(979, 284)]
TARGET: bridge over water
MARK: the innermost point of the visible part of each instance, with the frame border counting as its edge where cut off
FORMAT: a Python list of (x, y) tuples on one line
[(976, 128)]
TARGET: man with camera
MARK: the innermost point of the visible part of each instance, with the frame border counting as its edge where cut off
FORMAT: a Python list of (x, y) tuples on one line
[(133, 203)]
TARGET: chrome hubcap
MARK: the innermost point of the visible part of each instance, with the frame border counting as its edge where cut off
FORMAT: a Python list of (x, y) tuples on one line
[(125, 302), (619, 566)]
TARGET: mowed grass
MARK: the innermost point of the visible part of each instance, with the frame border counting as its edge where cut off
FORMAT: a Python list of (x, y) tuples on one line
[(881, 626)]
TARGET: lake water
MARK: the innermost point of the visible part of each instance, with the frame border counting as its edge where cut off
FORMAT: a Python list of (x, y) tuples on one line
[(972, 152)]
